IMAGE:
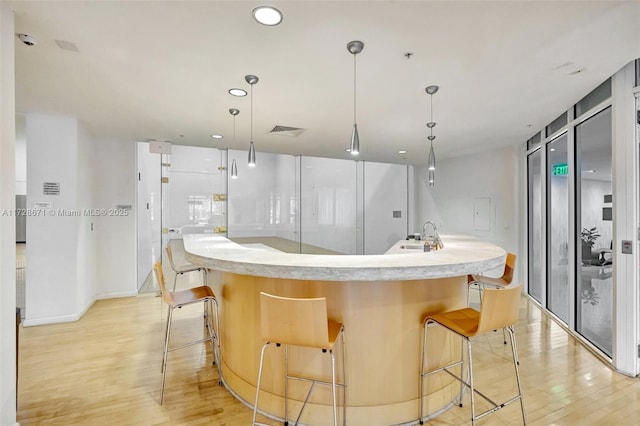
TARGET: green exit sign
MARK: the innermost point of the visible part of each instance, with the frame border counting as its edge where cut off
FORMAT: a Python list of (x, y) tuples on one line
[(560, 169)]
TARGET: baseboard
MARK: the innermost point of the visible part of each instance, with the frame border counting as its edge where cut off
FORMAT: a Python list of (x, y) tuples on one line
[(116, 295), (50, 320), (29, 322)]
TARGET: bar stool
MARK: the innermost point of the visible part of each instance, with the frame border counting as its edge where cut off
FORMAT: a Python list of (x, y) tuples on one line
[(507, 277), (183, 269), (499, 309), (300, 322), (178, 299)]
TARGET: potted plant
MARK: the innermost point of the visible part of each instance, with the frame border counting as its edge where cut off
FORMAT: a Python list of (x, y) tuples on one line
[(589, 237)]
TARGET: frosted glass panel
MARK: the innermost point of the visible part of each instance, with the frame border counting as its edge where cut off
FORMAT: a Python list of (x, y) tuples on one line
[(535, 224), (148, 212), (262, 199), (193, 159), (328, 205), (558, 228), (195, 193), (595, 238), (385, 193)]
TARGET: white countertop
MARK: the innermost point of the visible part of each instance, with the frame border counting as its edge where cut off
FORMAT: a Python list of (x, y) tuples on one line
[(461, 255)]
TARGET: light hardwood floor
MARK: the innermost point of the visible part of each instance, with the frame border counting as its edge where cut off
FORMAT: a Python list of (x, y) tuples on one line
[(105, 370)]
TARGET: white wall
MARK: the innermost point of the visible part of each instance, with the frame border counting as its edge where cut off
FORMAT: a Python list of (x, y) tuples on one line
[(51, 272), (7, 223), (459, 181), (21, 155), (86, 249), (114, 185), (385, 191), (61, 272)]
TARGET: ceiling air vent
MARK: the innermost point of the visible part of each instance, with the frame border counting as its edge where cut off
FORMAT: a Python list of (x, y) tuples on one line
[(67, 45), (286, 131)]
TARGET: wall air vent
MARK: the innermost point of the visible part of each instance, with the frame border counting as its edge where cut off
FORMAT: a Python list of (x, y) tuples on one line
[(286, 131)]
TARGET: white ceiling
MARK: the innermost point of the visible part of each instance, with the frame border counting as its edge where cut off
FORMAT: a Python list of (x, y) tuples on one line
[(159, 70)]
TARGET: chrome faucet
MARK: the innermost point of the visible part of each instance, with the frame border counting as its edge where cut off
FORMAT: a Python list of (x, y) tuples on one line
[(437, 238)]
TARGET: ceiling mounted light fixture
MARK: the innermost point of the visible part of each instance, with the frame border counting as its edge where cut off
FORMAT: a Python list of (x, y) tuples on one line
[(431, 160), (251, 79), (216, 136), (234, 166), (355, 47), (238, 92), (267, 15)]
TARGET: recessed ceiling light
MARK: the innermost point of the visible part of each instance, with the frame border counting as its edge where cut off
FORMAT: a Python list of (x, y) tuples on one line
[(348, 149), (402, 151), (589, 171), (267, 15), (552, 149), (238, 92), (215, 136)]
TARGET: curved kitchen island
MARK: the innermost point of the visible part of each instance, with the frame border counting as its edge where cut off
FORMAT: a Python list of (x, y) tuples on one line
[(380, 299)]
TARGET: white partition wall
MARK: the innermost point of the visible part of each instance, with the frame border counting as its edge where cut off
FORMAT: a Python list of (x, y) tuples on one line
[(385, 206)]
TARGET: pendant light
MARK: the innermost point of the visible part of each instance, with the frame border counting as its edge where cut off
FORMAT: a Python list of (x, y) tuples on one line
[(354, 47), (234, 166), (431, 160), (251, 79)]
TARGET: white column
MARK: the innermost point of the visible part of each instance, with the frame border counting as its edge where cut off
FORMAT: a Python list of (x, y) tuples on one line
[(625, 188), (7, 223)]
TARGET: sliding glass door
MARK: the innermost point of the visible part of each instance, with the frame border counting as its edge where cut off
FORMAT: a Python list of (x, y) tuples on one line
[(535, 224), (558, 228), (594, 211)]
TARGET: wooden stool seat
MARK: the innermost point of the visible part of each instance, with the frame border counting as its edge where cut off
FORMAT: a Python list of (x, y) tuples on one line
[(192, 295), (503, 281)]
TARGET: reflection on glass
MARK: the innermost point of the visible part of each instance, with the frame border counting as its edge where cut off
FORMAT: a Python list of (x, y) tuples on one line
[(535, 224), (558, 228), (595, 238)]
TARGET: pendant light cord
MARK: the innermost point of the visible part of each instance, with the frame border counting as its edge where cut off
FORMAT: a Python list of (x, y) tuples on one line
[(354, 88), (251, 113), (431, 129)]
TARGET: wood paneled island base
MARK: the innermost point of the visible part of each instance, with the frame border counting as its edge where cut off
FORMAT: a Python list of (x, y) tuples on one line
[(383, 332)]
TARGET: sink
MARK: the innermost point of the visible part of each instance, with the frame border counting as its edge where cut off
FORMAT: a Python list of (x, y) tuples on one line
[(412, 247)]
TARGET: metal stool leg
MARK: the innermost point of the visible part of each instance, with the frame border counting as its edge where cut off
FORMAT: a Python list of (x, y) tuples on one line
[(255, 406), (175, 280), (333, 387), (166, 353), (344, 381), (473, 403), (286, 385), (424, 345), (516, 363)]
